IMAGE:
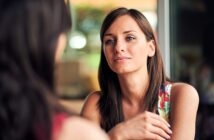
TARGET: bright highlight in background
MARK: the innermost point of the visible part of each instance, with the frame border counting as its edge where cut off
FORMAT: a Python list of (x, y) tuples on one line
[(152, 18), (77, 41)]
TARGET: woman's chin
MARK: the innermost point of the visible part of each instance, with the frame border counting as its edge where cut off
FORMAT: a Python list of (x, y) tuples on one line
[(122, 71)]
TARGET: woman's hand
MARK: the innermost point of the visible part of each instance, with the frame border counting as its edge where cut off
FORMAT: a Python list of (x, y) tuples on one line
[(144, 126)]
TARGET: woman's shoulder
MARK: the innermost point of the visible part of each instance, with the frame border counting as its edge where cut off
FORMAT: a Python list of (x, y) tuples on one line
[(180, 89), (90, 109), (78, 128), (92, 98), (184, 92), (183, 110)]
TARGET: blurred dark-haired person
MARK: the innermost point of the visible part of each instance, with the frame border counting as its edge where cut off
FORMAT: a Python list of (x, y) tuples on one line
[(32, 37)]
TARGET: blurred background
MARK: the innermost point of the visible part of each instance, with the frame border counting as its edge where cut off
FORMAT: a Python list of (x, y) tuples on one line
[(185, 31)]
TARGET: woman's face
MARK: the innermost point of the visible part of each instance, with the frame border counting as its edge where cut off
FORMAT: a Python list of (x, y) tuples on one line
[(125, 46)]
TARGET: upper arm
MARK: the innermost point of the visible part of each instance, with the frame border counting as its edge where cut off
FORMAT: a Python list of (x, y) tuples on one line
[(90, 108), (184, 106)]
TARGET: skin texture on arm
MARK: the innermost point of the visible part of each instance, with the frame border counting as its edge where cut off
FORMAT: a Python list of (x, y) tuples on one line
[(90, 109), (184, 106), (76, 128)]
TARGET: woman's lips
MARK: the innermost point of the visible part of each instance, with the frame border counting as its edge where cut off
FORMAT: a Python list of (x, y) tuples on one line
[(121, 58)]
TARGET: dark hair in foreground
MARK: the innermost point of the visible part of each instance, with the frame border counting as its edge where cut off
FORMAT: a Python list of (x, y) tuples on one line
[(29, 30), (110, 103)]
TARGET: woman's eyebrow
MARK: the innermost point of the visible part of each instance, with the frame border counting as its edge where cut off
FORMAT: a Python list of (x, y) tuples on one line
[(108, 34), (125, 32)]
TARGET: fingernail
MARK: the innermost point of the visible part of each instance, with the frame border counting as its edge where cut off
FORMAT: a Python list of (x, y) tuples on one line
[(169, 137), (168, 125), (170, 131)]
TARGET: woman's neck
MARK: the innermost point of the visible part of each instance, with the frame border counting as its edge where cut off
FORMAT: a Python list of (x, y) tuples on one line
[(134, 87)]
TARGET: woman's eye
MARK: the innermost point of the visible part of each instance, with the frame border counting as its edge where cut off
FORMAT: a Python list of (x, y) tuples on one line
[(109, 42), (129, 38)]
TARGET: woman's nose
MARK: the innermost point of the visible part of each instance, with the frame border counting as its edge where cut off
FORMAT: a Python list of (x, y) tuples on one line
[(119, 46)]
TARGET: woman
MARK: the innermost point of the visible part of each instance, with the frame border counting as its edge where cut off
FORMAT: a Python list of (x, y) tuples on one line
[(136, 100), (32, 37)]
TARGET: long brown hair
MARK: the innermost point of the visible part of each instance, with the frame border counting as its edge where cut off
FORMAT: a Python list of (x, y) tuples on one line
[(110, 103)]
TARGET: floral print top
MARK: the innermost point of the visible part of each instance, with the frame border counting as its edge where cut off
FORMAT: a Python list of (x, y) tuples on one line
[(164, 100)]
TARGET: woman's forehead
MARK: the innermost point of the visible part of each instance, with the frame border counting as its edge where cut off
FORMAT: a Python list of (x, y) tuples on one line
[(124, 24)]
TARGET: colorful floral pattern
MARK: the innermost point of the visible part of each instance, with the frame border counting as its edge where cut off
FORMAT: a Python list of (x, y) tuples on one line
[(164, 100)]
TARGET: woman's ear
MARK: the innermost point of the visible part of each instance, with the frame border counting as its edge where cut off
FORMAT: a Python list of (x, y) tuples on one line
[(61, 43), (151, 48)]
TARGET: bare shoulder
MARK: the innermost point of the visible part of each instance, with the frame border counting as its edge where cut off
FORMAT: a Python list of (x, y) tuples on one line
[(184, 106), (79, 129), (90, 108), (93, 97), (184, 91), (184, 101), (91, 101)]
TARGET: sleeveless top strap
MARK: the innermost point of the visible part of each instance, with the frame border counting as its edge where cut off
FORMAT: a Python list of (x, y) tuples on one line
[(57, 123), (164, 100)]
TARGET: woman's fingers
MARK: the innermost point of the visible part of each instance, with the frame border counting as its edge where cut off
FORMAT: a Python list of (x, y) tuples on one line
[(157, 121), (155, 125), (163, 127), (153, 136), (157, 117), (147, 126), (158, 131)]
